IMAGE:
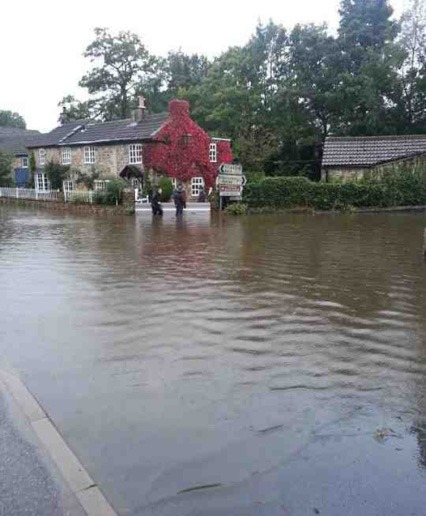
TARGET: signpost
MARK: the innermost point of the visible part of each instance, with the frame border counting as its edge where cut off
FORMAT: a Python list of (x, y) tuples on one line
[(230, 182)]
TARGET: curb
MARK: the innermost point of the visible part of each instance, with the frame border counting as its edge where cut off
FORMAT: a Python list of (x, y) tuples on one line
[(81, 484)]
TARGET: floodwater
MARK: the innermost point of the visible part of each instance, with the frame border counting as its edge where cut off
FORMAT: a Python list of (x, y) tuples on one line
[(266, 365)]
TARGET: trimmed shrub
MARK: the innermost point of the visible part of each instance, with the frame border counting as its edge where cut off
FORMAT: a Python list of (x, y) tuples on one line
[(236, 209), (396, 189), (165, 183), (114, 191)]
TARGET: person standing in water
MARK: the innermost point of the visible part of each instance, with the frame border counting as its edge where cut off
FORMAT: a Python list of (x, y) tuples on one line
[(180, 200), (155, 202)]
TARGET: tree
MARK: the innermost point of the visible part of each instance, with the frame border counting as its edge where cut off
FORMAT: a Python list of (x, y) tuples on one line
[(11, 119), (368, 72), (121, 63), (73, 109), (185, 71), (412, 104), (6, 161)]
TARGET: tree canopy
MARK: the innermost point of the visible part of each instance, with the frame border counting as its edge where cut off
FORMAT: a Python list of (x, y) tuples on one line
[(11, 119), (283, 92)]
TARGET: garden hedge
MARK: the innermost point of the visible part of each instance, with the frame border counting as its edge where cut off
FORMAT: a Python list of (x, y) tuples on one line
[(399, 189)]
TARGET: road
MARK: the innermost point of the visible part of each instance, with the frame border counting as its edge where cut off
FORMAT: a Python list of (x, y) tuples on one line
[(30, 483)]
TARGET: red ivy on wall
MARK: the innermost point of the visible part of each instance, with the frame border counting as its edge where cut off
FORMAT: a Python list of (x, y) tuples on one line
[(181, 148)]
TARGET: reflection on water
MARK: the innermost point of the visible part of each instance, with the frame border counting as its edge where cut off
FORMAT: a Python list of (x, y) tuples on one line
[(227, 366)]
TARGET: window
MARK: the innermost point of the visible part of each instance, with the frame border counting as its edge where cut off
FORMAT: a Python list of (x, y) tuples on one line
[(66, 156), (197, 184), (174, 182), (42, 156), (135, 153), (24, 162), (41, 183), (213, 152), (89, 155), (100, 185), (68, 186)]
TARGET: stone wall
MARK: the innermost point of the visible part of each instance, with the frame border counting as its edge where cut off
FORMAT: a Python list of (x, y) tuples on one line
[(353, 174), (110, 159)]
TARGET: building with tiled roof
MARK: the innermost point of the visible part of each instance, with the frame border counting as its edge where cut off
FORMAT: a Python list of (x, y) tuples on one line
[(13, 141), (131, 148), (351, 157)]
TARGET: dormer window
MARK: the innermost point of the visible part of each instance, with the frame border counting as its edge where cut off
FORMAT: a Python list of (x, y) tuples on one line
[(213, 153)]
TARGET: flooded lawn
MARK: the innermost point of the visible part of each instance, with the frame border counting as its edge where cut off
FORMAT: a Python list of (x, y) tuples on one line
[(267, 365)]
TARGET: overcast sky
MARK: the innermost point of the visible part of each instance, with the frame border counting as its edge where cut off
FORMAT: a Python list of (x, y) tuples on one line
[(41, 42)]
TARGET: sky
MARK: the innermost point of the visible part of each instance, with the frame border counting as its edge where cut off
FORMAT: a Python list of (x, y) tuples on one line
[(42, 42)]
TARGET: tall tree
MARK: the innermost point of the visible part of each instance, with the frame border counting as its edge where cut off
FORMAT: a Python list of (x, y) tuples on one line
[(11, 119), (121, 63), (413, 72), (185, 71), (370, 60)]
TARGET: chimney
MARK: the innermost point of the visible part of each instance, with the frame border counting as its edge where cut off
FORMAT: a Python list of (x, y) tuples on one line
[(179, 108), (63, 116), (140, 111)]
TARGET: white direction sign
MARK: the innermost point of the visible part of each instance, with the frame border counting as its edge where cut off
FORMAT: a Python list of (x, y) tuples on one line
[(228, 169), (230, 180)]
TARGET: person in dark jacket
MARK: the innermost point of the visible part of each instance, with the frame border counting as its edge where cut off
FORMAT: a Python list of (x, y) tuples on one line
[(202, 195), (155, 203), (180, 200)]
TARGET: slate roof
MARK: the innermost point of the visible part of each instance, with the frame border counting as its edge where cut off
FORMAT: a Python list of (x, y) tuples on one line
[(56, 135), (368, 151), (91, 132), (14, 141)]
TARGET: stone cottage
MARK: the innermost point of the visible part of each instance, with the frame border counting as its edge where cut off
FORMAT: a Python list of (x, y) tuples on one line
[(351, 158), (166, 144)]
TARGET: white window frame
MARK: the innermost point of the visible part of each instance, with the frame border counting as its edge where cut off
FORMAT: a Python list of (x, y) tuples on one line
[(42, 156), (100, 185), (174, 182), (42, 183), (25, 162), (197, 184), (68, 186), (89, 155), (135, 154), (66, 156), (213, 152)]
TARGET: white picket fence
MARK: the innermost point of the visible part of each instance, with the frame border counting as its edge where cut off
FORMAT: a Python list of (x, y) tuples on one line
[(79, 196), (29, 193)]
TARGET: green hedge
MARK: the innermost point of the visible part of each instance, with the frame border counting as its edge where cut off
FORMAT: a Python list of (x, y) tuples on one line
[(399, 189)]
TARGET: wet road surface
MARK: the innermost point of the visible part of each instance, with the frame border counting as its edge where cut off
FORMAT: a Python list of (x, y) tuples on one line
[(30, 484), (256, 366)]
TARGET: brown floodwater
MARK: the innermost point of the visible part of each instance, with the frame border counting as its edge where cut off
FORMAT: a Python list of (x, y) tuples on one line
[(265, 365)]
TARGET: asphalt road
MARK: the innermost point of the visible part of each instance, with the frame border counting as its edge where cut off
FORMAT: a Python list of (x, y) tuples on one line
[(30, 484)]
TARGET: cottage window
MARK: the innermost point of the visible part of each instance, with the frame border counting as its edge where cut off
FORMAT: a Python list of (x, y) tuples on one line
[(135, 154), (42, 156), (197, 184), (89, 155), (42, 183), (213, 152), (174, 182), (24, 162), (68, 186), (66, 156), (100, 185)]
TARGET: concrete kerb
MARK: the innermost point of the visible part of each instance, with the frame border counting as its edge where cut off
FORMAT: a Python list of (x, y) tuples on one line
[(87, 492)]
